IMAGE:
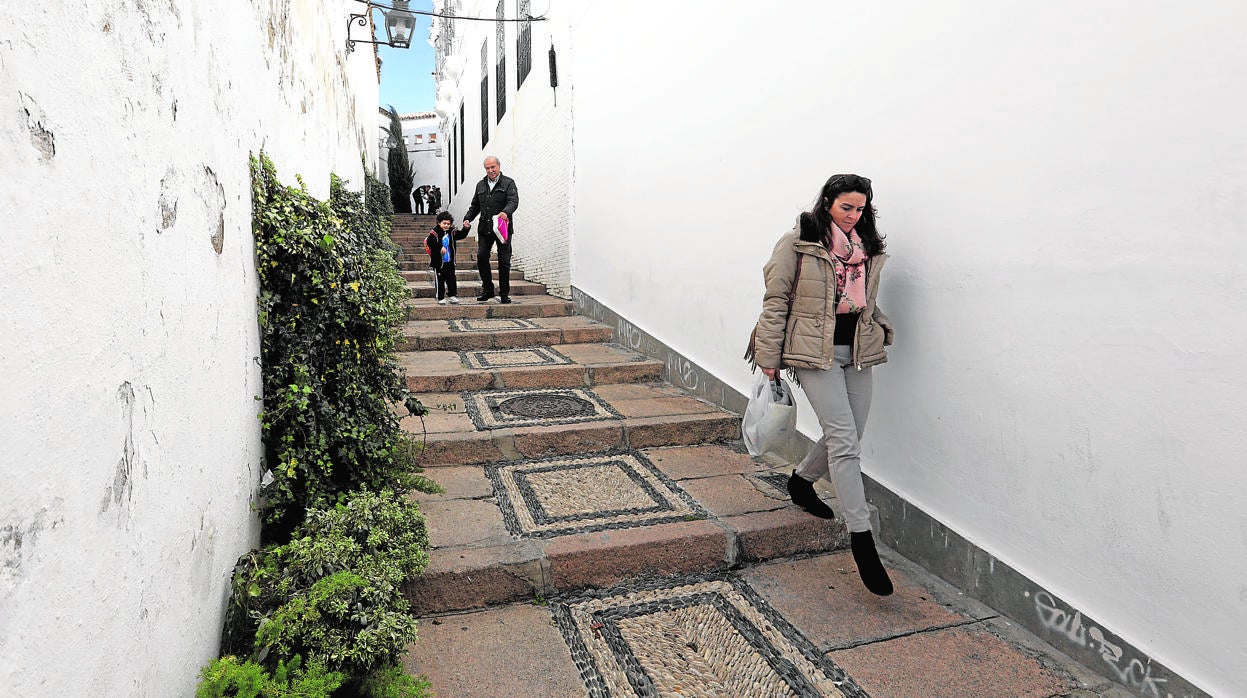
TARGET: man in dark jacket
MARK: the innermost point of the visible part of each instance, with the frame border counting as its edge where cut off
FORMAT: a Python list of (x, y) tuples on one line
[(495, 195)]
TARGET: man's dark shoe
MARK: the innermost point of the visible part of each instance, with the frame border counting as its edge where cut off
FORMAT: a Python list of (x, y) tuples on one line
[(869, 567), (484, 296), (504, 300), (804, 496)]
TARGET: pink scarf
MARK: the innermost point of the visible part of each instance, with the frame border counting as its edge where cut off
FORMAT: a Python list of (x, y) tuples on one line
[(848, 260)]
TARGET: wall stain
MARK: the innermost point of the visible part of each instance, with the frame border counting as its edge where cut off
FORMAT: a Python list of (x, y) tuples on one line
[(40, 137), (168, 202), (18, 539), (122, 489), (215, 198)]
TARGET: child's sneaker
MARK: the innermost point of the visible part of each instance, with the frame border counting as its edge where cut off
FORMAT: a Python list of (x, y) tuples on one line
[(441, 301), (454, 300)]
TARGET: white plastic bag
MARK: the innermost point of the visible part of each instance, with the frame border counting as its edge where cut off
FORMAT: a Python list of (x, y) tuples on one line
[(770, 420)]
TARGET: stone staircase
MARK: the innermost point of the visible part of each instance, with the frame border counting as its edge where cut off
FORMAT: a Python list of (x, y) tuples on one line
[(567, 462), (602, 533)]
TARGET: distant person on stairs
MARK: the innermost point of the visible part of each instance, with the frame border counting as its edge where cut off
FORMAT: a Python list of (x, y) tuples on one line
[(417, 196), (440, 244), (819, 319), (495, 195)]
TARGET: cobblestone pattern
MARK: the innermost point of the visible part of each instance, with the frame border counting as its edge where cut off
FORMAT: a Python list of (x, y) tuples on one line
[(708, 636), (563, 496), (502, 409), (492, 325), (512, 358)]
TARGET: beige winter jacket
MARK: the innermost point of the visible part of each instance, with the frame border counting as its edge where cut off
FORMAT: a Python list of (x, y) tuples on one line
[(804, 337)]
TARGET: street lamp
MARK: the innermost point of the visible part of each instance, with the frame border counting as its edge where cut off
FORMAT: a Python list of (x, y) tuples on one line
[(400, 24)]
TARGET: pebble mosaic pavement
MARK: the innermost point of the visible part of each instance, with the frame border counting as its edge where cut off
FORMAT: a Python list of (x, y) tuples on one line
[(492, 325), (777, 480), (501, 409), (510, 358), (563, 496), (708, 636)]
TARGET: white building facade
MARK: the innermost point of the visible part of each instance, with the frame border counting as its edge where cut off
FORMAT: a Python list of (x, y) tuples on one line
[(1064, 190), (424, 148), (129, 349)]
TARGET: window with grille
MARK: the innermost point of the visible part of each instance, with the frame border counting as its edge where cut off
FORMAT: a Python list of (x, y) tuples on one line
[(500, 76), (484, 94), (524, 45), (462, 173)]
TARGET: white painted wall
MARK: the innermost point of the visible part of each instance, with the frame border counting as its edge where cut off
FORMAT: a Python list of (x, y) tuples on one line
[(127, 339), (427, 161), (1065, 194), (533, 139)]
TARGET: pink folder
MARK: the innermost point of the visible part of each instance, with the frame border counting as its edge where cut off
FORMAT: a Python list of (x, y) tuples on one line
[(501, 229)]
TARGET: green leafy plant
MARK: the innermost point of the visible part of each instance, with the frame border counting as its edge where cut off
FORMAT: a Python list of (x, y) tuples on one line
[(393, 682), (330, 306), (342, 536), (334, 593), (230, 677)]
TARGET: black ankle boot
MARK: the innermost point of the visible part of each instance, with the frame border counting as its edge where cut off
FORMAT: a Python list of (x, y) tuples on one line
[(804, 496), (869, 567)]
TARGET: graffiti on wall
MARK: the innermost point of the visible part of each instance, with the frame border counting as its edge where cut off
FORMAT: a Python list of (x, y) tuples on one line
[(1069, 624)]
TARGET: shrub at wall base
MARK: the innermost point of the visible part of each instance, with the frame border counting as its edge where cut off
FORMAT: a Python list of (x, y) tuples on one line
[(333, 594), (330, 305), (319, 611)]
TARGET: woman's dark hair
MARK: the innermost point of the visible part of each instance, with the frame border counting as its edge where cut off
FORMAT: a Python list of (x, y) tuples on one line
[(445, 216), (816, 222)]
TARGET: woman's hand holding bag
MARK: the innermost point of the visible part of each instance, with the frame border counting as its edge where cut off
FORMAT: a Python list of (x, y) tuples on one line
[(770, 420)]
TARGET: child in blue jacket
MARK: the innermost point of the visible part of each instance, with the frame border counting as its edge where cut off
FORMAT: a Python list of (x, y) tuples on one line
[(440, 244)]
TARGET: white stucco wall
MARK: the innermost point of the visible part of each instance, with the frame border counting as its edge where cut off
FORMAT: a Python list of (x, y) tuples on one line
[(533, 140), (128, 336), (1065, 195), (426, 163)]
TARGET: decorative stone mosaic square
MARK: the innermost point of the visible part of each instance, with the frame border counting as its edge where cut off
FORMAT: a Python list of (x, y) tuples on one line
[(492, 325), (777, 480), (561, 496), (508, 358), (501, 409), (710, 637)]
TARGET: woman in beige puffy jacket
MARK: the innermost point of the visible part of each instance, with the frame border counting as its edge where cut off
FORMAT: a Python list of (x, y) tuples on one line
[(819, 318)]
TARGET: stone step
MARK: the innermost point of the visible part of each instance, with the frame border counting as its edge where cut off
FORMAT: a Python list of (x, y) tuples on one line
[(469, 309), (504, 425), (401, 220), (560, 365), (524, 529), (462, 274), (415, 241), (463, 333), (708, 634), (462, 264), (470, 288), (465, 260)]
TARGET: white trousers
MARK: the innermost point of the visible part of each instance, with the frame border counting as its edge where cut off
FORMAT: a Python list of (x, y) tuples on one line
[(840, 397)]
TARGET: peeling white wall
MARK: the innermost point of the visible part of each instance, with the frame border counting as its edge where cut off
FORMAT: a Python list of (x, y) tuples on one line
[(1064, 187), (128, 338)]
